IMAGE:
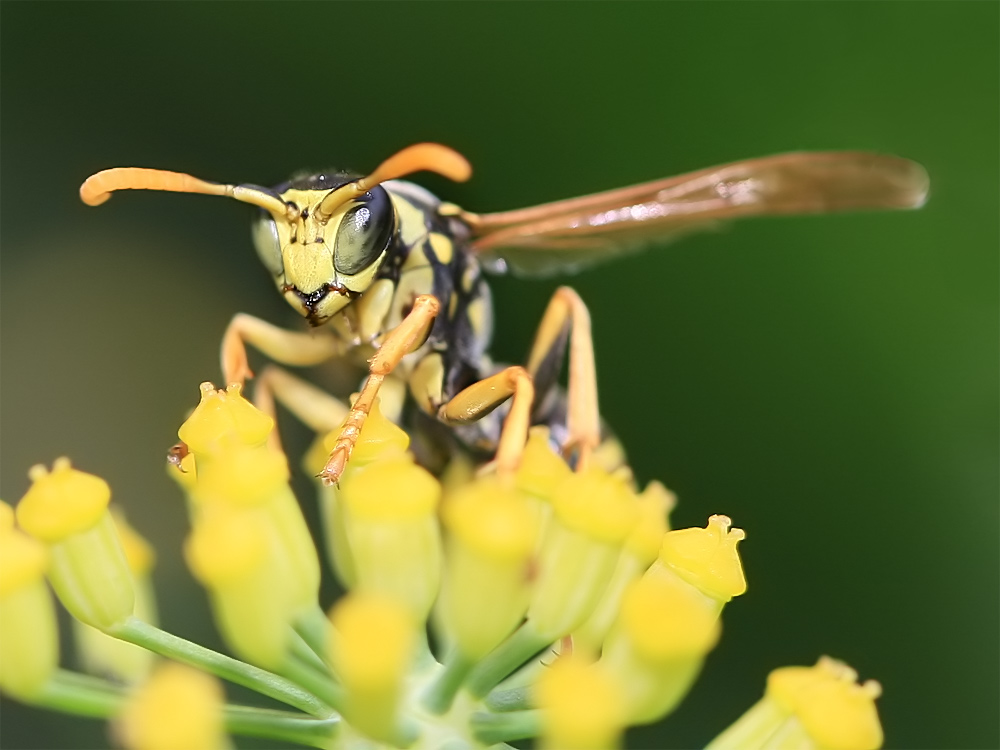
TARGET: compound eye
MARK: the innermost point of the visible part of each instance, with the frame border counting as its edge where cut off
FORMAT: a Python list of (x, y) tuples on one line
[(363, 233), (265, 241)]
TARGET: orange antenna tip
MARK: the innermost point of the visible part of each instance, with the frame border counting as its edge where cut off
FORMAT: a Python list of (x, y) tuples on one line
[(97, 188), (431, 157), (421, 157)]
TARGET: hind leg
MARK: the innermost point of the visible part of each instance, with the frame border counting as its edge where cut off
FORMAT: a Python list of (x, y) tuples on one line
[(567, 317)]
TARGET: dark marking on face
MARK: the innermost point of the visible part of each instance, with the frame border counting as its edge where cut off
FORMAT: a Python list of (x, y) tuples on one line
[(312, 299)]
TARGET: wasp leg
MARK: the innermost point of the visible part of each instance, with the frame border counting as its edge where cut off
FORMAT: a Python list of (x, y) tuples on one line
[(407, 336), (479, 399), (286, 347), (311, 405), (567, 315)]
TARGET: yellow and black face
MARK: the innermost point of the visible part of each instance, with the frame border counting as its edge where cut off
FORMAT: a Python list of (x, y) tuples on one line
[(322, 262)]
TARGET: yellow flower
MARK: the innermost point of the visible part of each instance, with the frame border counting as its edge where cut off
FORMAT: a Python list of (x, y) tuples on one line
[(29, 640), (102, 654), (493, 533), (582, 705), (813, 708), (68, 510), (508, 569), (374, 647), (178, 708)]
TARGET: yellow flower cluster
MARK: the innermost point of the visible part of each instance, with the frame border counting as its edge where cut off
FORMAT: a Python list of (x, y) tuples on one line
[(481, 609)]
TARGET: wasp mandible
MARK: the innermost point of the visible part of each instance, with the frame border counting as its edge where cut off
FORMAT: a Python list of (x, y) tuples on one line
[(393, 275)]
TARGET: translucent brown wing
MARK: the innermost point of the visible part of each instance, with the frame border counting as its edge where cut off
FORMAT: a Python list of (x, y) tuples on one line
[(567, 235)]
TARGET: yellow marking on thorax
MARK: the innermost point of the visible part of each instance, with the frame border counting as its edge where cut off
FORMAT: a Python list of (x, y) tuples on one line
[(427, 382), (478, 317), (412, 223), (469, 277), (443, 247)]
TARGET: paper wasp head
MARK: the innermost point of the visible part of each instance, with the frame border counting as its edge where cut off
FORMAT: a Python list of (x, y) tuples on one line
[(320, 259), (323, 237)]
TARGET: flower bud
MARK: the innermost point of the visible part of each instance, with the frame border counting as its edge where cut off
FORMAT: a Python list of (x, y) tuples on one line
[(29, 638), (493, 532), (658, 643), (541, 469), (237, 469), (582, 706), (390, 516), (231, 554), (640, 549), (221, 417), (815, 708), (68, 510), (372, 653), (255, 478), (593, 513), (379, 438), (100, 653), (179, 707), (706, 558)]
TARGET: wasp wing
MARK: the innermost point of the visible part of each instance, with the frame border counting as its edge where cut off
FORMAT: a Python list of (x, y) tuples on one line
[(568, 235)]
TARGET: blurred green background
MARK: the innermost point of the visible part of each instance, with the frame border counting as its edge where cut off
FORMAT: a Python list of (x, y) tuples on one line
[(830, 383)]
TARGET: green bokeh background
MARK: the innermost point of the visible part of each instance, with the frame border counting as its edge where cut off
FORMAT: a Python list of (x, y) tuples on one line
[(830, 383)]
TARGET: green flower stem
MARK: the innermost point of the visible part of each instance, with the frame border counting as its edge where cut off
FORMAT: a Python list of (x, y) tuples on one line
[(83, 695), (319, 683), (315, 629), (67, 693), (439, 695), (504, 659), (166, 644), (305, 654), (512, 699), (280, 725), (490, 728), (89, 682)]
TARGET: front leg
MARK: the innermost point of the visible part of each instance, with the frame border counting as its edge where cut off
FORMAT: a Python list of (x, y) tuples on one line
[(287, 347), (407, 336)]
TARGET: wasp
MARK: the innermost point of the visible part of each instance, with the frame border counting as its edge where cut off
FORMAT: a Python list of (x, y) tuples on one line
[(385, 272)]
